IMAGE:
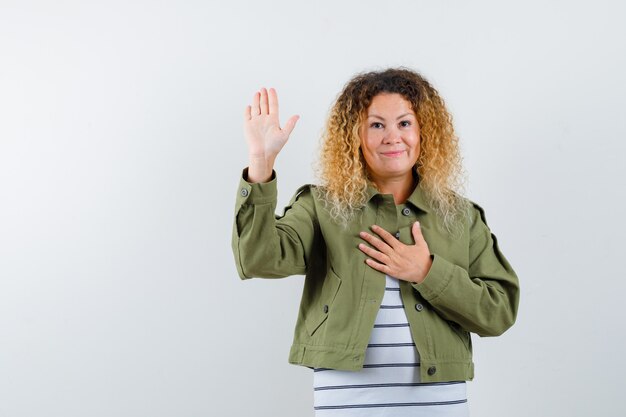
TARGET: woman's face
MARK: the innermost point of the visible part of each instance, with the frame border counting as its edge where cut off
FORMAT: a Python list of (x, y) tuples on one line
[(390, 138)]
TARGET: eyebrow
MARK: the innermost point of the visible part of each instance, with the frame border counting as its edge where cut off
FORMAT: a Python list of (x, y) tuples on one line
[(399, 117)]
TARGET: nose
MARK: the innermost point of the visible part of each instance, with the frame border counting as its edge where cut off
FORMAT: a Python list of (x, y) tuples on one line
[(392, 135)]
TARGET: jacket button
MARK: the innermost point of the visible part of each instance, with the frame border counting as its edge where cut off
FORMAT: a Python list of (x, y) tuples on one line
[(244, 192), (406, 211), (432, 370), (397, 235), (325, 308), (419, 307)]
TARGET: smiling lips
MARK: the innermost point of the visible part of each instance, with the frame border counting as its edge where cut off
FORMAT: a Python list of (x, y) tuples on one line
[(392, 154)]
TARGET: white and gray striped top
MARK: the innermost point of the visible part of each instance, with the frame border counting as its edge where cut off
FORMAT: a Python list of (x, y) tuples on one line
[(389, 383)]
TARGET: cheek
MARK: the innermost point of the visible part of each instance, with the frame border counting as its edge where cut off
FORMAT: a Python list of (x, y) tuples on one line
[(368, 145), (367, 156), (416, 147)]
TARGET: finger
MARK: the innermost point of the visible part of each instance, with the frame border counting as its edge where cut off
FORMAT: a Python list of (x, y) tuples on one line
[(387, 237), (372, 253), (246, 114), (291, 123), (375, 242), (264, 103), (416, 230), (378, 266), (255, 109), (273, 102)]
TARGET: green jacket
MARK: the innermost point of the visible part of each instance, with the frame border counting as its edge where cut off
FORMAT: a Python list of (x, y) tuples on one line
[(470, 286)]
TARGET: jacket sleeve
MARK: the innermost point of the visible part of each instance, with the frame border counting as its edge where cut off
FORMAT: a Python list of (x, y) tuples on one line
[(264, 244), (483, 299)]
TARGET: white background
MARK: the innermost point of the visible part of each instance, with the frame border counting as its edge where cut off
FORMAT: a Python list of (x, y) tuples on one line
[(121, 146)]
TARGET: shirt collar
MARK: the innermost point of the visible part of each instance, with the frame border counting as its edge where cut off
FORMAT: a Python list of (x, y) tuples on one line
[(417, 197)]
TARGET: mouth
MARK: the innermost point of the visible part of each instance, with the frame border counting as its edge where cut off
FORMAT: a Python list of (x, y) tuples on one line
[(392, 154)]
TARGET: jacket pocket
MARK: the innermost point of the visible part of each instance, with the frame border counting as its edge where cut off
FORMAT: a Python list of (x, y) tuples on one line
[(462, 334), (323, 306)]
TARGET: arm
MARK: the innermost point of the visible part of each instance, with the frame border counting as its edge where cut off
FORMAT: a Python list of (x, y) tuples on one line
[(270, 246), (265, 245), (483, 299)]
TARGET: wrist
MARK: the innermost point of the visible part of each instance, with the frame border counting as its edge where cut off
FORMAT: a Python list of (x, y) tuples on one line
[(260, 169), (422, 276)]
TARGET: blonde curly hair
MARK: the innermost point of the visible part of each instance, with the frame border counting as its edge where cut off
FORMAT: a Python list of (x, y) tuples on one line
[(342, 168)]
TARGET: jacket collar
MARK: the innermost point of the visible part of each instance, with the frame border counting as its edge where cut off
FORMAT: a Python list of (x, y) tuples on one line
[(417, 197)]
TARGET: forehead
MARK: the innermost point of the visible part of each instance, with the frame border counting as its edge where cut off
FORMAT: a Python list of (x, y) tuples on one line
[(389, 103)]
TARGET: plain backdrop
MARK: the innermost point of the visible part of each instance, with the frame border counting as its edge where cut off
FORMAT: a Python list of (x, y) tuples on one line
[(121, 147)]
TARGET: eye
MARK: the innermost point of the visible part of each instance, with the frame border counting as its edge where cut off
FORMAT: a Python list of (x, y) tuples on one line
[(405, 123), (377, 125)]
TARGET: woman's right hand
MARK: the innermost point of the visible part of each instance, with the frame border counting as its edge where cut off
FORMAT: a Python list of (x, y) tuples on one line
[(264, 135)]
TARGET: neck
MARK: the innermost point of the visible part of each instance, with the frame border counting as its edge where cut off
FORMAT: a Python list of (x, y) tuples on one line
[(400, 187)]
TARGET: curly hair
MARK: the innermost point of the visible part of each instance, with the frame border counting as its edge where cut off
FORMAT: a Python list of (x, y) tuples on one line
[(342, 168)]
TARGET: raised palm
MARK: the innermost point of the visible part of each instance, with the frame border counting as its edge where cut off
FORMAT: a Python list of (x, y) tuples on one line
[(262, 129)]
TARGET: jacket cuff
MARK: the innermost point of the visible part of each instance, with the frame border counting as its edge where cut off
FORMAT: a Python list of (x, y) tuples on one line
[(437, 278), (258, 192)]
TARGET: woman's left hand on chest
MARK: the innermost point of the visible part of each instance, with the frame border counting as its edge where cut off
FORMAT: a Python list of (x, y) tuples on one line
[(392, 257)]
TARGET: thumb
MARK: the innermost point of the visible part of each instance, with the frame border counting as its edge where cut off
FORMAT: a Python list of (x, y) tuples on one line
[(417, 233), (291, 123)]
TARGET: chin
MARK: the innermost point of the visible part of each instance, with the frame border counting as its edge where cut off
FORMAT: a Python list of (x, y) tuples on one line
[(395, 173)]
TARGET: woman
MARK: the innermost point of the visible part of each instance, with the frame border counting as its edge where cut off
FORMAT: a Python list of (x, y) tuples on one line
[(399, 267)]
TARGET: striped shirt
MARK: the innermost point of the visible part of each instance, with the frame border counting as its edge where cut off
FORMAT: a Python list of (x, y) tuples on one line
[(389, 383)]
